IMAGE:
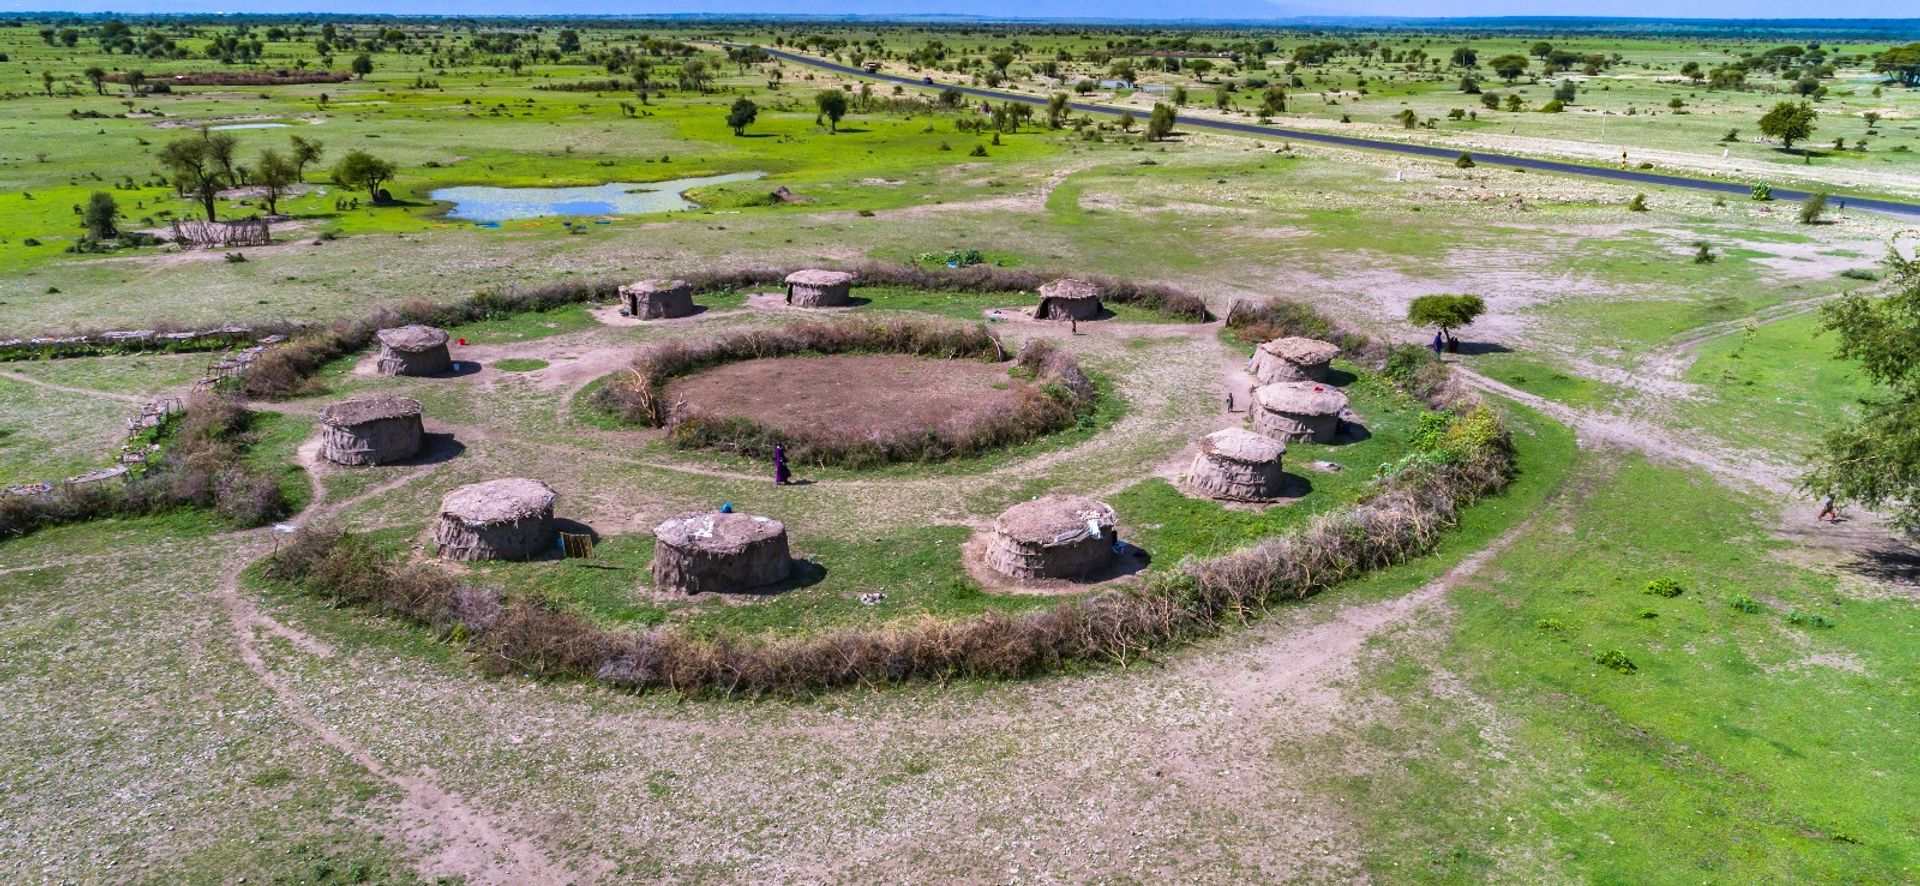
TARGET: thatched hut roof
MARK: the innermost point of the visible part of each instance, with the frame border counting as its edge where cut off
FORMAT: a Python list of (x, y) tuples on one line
[(1301, 351), (347, 413), (1245, 447), (413, 338), (716, 532), (498, 501), (1301, 398), (647, 287), (1054, 520), (819, 277), (1069, 288)]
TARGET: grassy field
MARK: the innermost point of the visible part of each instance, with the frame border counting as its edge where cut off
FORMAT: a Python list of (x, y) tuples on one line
[(1513, 706)]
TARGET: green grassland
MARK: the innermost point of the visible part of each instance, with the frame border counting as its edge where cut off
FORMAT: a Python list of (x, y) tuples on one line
[(1477, 735)]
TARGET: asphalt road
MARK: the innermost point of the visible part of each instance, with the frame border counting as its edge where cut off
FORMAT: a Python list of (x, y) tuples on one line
[(1894, 207)]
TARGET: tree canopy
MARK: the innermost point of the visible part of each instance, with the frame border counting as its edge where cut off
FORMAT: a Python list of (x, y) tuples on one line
[(1509, 66), (1875, 459), (1903, 62), (1160, 124), (201, 165), (102, 216), (1789, 122), (1448, 312), (742, 115), (359, 169), (833, 106)]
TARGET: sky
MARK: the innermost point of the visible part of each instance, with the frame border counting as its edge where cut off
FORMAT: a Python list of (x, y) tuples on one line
[(1136, 9)]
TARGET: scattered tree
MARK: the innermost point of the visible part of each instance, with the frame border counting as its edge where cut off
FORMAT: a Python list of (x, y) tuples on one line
[(1875, 459), (362, 65), (1813, 208), (359, 169), (1789, 122), (1160, 123), (102, 216), (274, 173), (97, 76), (833, 106), (197, 168), (1446, 312), (304, 153), (1509, 66), (742, 115)]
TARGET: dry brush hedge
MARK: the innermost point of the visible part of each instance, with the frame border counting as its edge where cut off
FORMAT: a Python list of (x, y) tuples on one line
[(1401, 516), (204, 465), (1062, 393)]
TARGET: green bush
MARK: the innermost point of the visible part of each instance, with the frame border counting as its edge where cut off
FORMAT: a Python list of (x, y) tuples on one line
[(1614, 659), (1663, 587), (1809, 619), (1745, 604)]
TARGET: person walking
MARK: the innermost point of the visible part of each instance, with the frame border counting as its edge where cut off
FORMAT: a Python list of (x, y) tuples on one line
[(1439, 344), (781, 476), (1828, 512)]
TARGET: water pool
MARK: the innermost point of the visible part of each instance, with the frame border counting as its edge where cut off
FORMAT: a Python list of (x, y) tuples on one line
[(482, 203)]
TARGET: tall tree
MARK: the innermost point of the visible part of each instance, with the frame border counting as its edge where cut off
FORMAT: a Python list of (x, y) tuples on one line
[(196, 171), (742, 115), (102, 216), (1445, 312), (1160, 122), (97, 76), (274, 173), (833, 106), (359, 169), (1789, 122), (304, 152), (1875, 459)]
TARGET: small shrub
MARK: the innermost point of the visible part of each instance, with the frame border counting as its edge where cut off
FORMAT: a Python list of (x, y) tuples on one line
[(1762, 191), (978, 151), (1746, 604), (1614, 659), (1550, 626), (1703, 253), (1638, 203), (1809, 619), (1649, 613), (1813, 208), (234, 258), (1464, 161), (1866, 274), (1663, 587)]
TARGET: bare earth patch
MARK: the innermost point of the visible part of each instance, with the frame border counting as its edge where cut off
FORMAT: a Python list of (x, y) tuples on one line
[(882, 394)]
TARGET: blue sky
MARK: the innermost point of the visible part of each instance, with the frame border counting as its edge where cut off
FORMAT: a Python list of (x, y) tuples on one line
[(1156, 9)]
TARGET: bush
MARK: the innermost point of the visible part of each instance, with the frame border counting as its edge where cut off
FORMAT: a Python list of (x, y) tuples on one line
[(1746, 604), (1464, 161), (1638, 203), (1812, 208), (1809, 619), (203, 465), (1616, 660), (1663, 587)]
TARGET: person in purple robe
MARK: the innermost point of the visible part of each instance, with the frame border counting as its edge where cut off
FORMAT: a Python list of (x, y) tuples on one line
[(1438, 343), (781, 475)]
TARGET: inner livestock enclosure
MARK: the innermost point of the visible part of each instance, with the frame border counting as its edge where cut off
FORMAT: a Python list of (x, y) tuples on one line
[(869, 392)]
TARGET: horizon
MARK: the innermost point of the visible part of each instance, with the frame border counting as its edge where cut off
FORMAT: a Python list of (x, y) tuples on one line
[(1217, 12)]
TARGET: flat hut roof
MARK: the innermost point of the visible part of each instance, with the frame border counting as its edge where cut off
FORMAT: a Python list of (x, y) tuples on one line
[(1301, 351), (498, 501), (1054, 519), (1245, 447), (348, 413), (819, 277), (717, 532), (646, 287), (1070, 288), (1301, 398), (413, 338)]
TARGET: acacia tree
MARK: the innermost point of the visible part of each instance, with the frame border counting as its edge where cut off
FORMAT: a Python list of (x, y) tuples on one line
[(833, 106), (742, 115), (1789, 122), (1509, 66), (1903, 62), (1446, 312), (1056, 110), (642, 78), (97, 76), (360, 169), (1875, 459), (197, 169), (275, 172), (304, 153)]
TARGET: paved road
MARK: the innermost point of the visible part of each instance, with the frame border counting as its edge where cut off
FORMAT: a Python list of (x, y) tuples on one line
[(1894, 207)]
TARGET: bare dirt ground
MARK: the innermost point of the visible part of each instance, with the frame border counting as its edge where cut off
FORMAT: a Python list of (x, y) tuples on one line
[(864, 394)]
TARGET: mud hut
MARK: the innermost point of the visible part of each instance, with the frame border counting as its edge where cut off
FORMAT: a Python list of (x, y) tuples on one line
[(1293, 359), (1238, 465), (816, 288), (509, 519), (1054, 536), (710, 551), (657, 299), (371, 431), (1298, 411), (413, 350), (1068, 298)]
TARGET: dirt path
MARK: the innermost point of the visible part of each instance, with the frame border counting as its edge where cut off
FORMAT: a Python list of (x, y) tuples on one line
[(69, 389)]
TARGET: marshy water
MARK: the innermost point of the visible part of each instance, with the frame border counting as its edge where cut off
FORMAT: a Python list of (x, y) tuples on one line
[(482, 203)]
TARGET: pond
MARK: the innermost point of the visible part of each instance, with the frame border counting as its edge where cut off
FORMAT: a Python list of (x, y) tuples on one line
[(225, 126), (489, 204)]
